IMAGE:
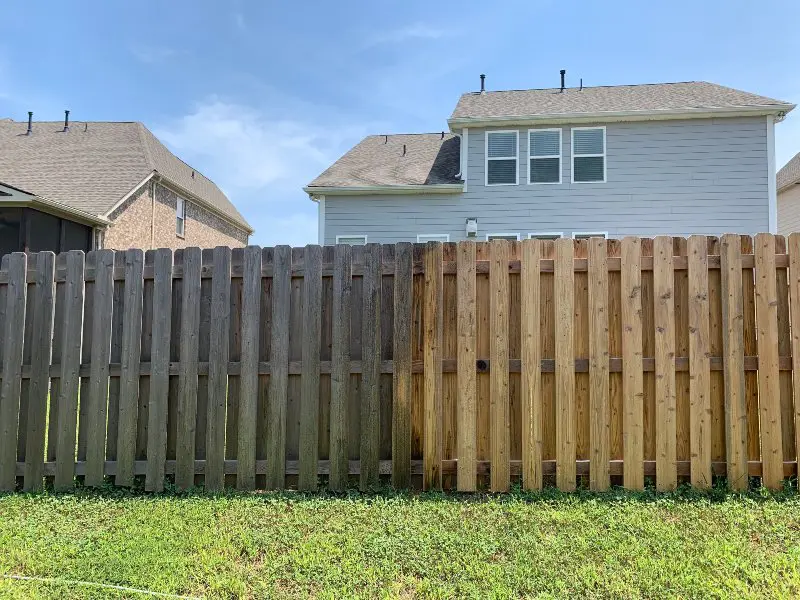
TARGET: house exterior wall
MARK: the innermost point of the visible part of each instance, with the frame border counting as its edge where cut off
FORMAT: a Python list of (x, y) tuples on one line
[(134, 219), (701, 176), (789, 210)]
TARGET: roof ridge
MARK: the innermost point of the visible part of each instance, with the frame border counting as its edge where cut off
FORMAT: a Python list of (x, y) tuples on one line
[(587, 87), (145, 146)]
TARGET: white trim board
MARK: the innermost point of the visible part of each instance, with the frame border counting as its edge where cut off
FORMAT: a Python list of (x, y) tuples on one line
[(772, 194)]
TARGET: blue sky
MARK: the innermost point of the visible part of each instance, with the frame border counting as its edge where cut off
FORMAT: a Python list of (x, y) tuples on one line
[(263, 96)]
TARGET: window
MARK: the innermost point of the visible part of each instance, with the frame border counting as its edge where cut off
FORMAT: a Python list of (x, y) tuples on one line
[(433, 237), (546, 235), (352, 240), (502, 236), (501, 158), (180, 217), (544, 156), (589, 155), (585, 235)]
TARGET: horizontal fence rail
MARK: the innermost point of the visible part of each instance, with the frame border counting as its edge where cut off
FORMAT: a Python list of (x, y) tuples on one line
[(460, 366)]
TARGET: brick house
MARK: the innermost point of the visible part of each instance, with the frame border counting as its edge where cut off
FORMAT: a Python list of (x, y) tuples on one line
[(86, 185)]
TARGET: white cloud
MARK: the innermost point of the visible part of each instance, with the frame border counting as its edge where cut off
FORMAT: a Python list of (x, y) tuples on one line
[(153, 54), (415, 31), (262, 162)]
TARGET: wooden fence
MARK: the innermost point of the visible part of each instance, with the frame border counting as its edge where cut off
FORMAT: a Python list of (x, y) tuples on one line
[(446, 365)]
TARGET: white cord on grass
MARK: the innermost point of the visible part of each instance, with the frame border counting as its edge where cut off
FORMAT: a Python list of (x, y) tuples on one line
[(95, 584)]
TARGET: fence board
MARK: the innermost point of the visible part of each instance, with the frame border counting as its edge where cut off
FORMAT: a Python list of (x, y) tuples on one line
[(72, 328), (340, 366), (750, 349), (187, 379), (467, 418), (794, 296), (309, 393), (432, 358), (402, 378), (733, 360), (219, 348), (784, 350), (41, 356), (97, 410), (565, 372), (663, 314), (13, 337), (768, 384), (157, 411), (500, 431), (699, 365), (600, 416), (279, 378), (531, 356), (632, 376), (248, 385)]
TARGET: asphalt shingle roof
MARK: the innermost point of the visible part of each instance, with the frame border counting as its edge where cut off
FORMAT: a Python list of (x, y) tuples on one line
[(618, 98), (94, 165), (789, 173), (378, 160)]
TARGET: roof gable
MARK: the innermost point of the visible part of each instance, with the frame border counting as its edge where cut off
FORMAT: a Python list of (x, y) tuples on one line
[(790, 173)]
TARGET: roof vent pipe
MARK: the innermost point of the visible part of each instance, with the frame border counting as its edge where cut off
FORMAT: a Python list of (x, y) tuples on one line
[(483, 83), (404, 149), (30, 123), (563, 74), (581, 84), (66, 121)]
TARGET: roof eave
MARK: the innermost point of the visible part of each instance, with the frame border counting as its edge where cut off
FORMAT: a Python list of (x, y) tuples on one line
[(622, 116), (60, 210), (205, 204), (439, 188)]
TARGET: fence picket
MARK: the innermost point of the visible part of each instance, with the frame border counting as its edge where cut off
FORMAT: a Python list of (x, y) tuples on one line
[(13, 336), (565, 369), (402, 378), (309, 382), (767, 338), (279, 360), (794, 296), (340, 366), (499, 400), (41, 356), (248, 384), (432, 369), (97, 412), (663, 316), (219, 348), (72, 329), (467, 378), (699, 366), (599, 414), (157, 410), (370, 377), (733, 360), (632, 376), (531, 356)]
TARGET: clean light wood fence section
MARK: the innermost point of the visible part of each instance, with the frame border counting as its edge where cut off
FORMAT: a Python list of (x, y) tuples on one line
[(463, 366)]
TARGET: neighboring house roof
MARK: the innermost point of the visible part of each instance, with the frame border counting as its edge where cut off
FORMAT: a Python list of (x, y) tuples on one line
[(429, 159), (666, 98), (790, 173), (96, 164)]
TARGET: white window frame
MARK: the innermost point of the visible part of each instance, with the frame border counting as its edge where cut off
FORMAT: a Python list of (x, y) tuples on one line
[(501, 236), (355, 235), (487, 159), (558, 156), (180, 215), (604, 154), (545, 235), (420, 237), (585, 235)]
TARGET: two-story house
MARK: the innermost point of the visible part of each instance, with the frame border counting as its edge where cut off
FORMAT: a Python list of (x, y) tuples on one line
[(660, 159)]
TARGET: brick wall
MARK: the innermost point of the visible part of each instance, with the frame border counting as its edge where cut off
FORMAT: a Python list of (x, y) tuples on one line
[(133, 222)]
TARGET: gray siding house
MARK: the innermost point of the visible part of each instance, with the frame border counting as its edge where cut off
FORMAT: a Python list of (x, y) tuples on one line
[(661, 159)]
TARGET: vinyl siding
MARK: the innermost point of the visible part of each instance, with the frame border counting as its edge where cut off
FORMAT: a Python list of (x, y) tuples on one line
[(663, 177), (789, 210)]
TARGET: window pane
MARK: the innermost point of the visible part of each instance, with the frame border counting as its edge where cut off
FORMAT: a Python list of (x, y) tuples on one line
[(502, 144), (497, 236), (588, 141), (588, 168), (179, 222), (544, 143), (502, 171), (433, 237), (356, 240), (545, 170)]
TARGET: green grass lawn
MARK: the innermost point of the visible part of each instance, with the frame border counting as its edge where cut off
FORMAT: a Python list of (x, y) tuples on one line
[(403, 546)]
